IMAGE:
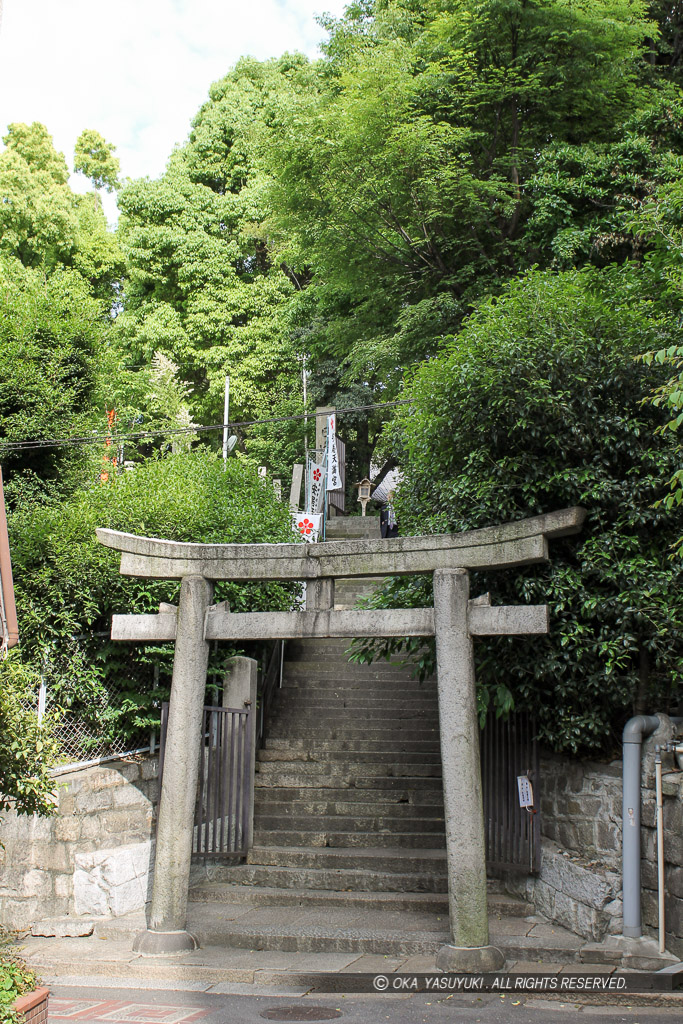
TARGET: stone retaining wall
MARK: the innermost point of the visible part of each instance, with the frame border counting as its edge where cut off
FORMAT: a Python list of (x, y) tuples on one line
[(92, 857), (579, 885)]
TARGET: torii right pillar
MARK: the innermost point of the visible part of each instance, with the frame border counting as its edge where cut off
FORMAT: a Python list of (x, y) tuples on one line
[(456, 618)]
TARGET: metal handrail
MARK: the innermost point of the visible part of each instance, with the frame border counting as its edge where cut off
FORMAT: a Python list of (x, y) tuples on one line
[(272, 680)]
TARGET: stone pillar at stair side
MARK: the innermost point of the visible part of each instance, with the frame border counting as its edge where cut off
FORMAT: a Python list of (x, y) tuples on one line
[(239, 691), (166, 932), (319, 595), (459, 730)]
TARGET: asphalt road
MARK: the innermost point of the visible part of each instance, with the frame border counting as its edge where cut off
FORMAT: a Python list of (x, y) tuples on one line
[(145, 1006)]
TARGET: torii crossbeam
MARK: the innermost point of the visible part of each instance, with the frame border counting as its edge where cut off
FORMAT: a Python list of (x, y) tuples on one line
[(453, 620)]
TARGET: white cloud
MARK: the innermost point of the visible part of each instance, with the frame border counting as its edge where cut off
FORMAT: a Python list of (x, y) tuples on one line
[(138, 70)]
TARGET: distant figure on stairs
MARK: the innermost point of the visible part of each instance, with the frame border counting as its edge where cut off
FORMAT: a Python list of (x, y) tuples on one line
[(388, 524)]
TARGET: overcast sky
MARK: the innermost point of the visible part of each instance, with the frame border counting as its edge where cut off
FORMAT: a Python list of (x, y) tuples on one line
[(136, 70)]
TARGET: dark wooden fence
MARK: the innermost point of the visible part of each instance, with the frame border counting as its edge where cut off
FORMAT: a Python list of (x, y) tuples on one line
[(513, 833)]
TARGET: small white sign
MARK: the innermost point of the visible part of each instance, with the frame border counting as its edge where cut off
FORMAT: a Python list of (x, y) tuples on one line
[(526, 792), (316, 487), (307, 525)]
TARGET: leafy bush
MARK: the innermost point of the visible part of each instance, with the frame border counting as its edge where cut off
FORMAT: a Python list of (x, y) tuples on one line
[(537, 405), (16, 979), (68, 585), (27, 750)]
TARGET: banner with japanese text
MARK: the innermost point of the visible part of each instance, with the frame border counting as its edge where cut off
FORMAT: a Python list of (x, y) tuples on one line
[(334, 480)]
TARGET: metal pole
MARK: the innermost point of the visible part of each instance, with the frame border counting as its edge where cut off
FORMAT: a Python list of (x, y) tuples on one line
[(226, 414)]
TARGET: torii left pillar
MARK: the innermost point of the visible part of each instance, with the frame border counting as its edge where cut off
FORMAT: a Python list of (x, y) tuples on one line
[(167, 928)]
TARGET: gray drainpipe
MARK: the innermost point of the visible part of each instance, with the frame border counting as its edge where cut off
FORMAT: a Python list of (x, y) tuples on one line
[(635, 730)]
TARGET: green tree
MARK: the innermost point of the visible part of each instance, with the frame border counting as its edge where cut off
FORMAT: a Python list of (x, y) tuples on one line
[(94, 157), (50, 329), (45, 225), (537, 405), (201, 287)]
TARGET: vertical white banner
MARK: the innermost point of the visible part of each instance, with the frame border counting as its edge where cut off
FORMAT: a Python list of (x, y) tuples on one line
[(316, 487), (334, 480)]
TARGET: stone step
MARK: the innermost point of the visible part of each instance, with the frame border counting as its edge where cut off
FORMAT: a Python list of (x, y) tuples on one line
[(398, 796), (387, 859), (324, 667), (310, 930), (500, 905), (304, 731), (280, 771), (356, 699), (349, 756), (376, 688), (369, 823), (293, 780), (269, 896), (357, 746), (386, 718), (267, 808), (328, 839), (357, 880)]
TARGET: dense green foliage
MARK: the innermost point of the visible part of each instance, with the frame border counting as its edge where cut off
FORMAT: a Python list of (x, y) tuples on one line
[(16, 979), (537, 405), (26, 749)]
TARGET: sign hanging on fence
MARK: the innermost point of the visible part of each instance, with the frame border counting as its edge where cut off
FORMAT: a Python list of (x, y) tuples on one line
[(334, 480), (316, 486), (307, 524)]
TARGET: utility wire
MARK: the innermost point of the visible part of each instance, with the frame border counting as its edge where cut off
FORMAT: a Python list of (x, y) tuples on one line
[(114, 439)]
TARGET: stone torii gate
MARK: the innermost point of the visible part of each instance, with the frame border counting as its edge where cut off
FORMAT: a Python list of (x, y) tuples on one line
[(453, 620)]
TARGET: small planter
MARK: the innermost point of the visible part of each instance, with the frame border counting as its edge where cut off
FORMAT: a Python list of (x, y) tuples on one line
[(33, 1006)]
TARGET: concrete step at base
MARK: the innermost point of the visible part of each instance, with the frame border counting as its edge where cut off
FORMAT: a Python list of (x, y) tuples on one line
[(357, 880), (310, 930), (268, 896), (349, 840), (386, 859), (499, 904)]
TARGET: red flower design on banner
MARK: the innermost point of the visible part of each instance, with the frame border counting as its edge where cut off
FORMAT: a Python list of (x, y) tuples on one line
[(316, 475), (305, 527)]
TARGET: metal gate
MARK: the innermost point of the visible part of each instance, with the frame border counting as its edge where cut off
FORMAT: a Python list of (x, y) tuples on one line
[(221, 824), (513, 832)]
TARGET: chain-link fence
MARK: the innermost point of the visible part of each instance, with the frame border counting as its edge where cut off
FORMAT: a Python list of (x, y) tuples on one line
[(102, 698)]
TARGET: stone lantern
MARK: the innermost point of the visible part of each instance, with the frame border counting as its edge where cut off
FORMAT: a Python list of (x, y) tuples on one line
[(364, 491)]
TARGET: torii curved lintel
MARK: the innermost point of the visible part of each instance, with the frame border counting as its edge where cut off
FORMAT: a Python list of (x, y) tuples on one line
[(494, 547)]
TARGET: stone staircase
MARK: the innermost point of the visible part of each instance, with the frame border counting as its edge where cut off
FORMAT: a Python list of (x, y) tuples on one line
[(349, 841)]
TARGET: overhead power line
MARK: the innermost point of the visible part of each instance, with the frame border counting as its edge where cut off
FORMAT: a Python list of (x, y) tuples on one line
[(30, 444)]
